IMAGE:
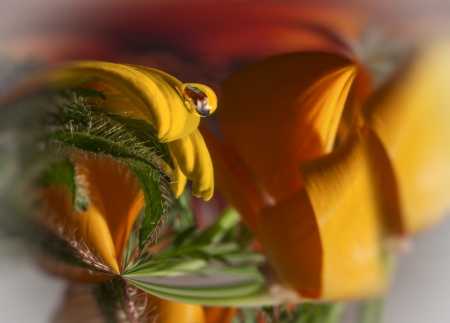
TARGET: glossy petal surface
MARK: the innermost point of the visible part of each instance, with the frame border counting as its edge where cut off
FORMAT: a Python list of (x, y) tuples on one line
[(347, 208), (151, 91), (411, 116), (281, 111)]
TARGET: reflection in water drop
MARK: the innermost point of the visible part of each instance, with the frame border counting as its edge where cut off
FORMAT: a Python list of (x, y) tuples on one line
[(199, 99)]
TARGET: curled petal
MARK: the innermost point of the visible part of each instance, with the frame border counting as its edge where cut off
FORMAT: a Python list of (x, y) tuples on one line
[(411, 117), (347, 208), (179, 179), (152, 92), (193, 158), (281, 111)]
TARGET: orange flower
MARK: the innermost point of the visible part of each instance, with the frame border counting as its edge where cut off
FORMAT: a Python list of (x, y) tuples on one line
[(322, 172)]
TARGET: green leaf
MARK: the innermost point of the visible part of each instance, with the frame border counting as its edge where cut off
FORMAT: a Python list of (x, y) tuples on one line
[(96, 144), (184, 236), (155, 204), (247, 293), (211, 285), (170, 268), (319, 313), (229, 219), (143, 131), (306, 312)]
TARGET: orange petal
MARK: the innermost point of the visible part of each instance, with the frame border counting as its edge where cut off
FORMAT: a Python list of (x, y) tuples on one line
[(112, 190), (218, 314), (411, 116), (91, 226), (283, 110), (347, 207), (193, 158), (93, 229), (233, 183), (170, 312), (289, 234)]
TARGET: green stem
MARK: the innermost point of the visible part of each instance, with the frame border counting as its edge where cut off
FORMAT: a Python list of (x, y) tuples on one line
[(334, 314), (371, 311)]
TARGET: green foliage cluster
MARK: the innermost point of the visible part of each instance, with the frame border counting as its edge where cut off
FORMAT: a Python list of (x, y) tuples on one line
[(78, 122)]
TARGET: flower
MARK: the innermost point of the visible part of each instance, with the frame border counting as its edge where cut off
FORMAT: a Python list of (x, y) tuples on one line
[(122, 133), (323, 170), (208, 50), (157, 98)]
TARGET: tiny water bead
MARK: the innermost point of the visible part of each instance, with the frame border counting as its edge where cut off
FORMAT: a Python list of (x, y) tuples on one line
[(199, 99)]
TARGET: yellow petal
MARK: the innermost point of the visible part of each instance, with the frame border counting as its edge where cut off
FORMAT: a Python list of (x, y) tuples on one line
[(59, 210), (165, 311), (116, 101), (283, 110), (180, 179), (231, 180), (411, 116), (194, 161), (347, 208), (151, 91), (182, 122), (112, 188)]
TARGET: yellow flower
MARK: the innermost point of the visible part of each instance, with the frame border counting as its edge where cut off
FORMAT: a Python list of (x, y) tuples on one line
[(101, 232), (323, 171), (138, 93), (171, 107)]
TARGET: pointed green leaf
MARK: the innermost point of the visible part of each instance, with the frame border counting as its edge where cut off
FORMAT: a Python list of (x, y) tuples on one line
[(155, 204), (234, 296), (229, 219)]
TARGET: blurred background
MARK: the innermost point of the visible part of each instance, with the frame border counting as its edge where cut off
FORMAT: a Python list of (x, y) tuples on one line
[(204, 41)]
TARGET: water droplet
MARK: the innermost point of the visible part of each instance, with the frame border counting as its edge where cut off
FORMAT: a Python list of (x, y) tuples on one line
[(199, 99)]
